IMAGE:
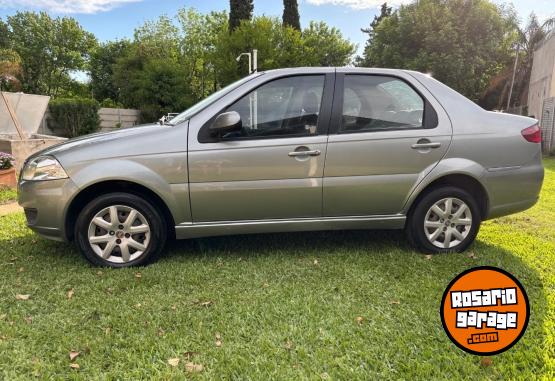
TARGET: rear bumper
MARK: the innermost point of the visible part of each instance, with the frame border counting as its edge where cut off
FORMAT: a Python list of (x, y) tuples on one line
[(515, 207), (513, 189), (45, 204)]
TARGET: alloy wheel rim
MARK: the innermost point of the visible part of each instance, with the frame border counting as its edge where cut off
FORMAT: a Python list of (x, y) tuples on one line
[(448, 223), (119, 234)]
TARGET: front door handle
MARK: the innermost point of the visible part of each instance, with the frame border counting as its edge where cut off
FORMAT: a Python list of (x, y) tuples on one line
[(305, 153), (426, 145)]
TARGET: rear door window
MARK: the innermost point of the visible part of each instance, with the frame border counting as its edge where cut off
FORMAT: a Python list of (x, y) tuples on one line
[(377, 103)]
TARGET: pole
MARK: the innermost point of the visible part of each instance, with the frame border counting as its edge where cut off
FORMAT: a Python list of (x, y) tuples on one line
[(513, 79), (13, 115), (254, 105), (250, 60)]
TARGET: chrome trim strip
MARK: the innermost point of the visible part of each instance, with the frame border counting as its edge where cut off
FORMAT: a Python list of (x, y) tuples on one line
[(217, 228), (500, 169)]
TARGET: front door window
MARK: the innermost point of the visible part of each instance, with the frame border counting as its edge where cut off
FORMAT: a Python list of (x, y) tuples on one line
[(281, 108)]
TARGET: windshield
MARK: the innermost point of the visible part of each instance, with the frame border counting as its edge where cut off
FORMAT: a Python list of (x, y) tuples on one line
[(206, 101)]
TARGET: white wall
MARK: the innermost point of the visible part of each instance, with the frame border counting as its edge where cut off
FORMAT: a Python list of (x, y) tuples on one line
[(112, 118), (542, 79)]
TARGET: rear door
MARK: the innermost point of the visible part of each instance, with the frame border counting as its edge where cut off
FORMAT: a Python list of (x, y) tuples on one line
[(273, 167), (387, 133)]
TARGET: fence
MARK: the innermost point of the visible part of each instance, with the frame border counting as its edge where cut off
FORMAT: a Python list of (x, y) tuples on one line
[(110, 119), (114, 118), (547, 124)]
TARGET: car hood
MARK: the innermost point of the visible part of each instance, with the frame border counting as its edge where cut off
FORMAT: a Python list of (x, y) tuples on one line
[(97, 138), (133, 141)]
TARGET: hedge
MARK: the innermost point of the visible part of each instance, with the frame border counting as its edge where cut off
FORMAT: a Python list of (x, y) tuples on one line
[(76, 116)]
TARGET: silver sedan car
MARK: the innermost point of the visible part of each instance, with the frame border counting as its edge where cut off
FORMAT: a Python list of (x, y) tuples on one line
[(290, 150)]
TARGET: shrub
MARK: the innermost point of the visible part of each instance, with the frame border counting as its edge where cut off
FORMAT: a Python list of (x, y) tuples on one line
[(76, 116), (110, 103), (6, 160)]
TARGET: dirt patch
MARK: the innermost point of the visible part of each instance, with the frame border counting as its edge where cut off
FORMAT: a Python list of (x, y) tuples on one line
[(9, 208)]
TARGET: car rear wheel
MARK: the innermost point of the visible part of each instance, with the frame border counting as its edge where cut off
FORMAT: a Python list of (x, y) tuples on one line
[(446, 219), (120, 230)]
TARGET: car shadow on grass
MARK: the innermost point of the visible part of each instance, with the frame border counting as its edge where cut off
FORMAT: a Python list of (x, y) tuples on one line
[(379, 241)]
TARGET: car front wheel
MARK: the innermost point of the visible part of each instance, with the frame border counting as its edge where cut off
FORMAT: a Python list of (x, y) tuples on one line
[(446, 219), (120, 230)]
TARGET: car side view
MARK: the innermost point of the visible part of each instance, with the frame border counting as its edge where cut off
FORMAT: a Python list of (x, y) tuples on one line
[(290, 150)]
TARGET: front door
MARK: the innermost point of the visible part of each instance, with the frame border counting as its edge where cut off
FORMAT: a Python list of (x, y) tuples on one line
[(273, 167), (384, 138)]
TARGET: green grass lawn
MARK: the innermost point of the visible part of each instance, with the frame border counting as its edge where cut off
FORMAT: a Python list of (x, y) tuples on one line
[(284, 306), (7, 195)]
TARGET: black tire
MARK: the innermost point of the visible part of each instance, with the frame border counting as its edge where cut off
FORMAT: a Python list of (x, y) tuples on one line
[(157, 224), (415, 231)]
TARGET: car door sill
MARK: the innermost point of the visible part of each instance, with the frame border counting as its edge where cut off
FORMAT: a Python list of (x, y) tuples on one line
[(217, 228)]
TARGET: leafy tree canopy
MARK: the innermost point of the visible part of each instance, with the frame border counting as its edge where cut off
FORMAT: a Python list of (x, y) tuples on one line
[(173, 63), (385, 11), (49, 48), (101, 68), (462, 43)]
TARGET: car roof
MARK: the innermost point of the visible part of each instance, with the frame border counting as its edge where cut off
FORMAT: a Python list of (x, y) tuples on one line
[(343, 69)]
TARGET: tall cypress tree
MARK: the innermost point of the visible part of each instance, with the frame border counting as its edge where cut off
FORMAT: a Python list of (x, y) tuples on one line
[(239, 10), (291, 14)]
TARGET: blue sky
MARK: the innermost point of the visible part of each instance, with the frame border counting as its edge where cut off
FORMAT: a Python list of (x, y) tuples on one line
[(111, 19)]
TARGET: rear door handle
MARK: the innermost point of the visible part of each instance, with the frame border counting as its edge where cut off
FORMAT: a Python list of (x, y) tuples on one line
[(305, 153), (426, 145)]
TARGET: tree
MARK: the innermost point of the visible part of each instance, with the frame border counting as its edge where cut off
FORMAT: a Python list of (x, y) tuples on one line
[(156, 86), (162, 90), (497, 92), (239, 10), (291, 14), (50, 49), (201, 42), (10, 68), (173, 63), (4, 35), (385, 11), (101, 69), (150, 75), (277, 46), (318, 45), (159, 38), (325, 46), (462, 43), (10, 61)]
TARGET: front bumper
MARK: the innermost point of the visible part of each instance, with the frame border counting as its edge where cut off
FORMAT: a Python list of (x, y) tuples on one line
[(45, 204)]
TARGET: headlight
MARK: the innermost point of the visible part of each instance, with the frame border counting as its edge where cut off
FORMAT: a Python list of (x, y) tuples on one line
[(43, 168)]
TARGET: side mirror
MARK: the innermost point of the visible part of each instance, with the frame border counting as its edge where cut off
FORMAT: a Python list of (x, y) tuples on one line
[(225, 123)]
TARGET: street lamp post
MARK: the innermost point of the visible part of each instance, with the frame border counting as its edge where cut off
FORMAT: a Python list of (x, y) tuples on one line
[(253, 60), (513, 78), (253, 68)]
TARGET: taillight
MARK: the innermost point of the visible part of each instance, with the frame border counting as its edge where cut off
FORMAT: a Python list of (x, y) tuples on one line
[(532, 134)]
